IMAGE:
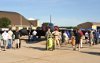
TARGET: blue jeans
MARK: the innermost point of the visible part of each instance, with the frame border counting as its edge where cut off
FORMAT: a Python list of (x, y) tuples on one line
[(9, 43)]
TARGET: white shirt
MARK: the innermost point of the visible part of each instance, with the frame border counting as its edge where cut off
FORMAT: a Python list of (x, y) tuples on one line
[(86, 34), (10, 34), (34, 32), (5, 35), (66, 36)]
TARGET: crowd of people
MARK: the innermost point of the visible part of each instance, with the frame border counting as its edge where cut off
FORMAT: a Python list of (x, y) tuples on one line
[(9, 39), (75, 37)]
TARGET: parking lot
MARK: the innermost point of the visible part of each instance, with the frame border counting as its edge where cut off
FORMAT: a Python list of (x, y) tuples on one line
[(35, 52)]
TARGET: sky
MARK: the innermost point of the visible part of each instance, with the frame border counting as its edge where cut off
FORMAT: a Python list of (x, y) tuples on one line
[(63, 12)]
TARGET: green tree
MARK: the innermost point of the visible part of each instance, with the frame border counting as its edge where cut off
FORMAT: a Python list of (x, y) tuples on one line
[(4, 22)]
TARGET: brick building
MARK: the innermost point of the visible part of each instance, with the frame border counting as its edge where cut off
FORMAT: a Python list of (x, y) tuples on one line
[(17, 20)]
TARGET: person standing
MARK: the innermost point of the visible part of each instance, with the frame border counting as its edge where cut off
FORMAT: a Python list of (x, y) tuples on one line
[(66, 38), (73, 41), (5, 37), (34, 35), (77, 37), (91, 38), (96, 36), (87, 37), (49, 40), (17, 39), (56, 34), (81, 39), (10, 40)]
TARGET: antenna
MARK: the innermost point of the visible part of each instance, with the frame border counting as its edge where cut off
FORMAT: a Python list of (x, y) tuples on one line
[(50, 18)]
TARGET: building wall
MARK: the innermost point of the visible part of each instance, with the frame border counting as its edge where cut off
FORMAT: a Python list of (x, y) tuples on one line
[(17, 20), (95, 27), (85, 25), (88, 25), (34, 23)]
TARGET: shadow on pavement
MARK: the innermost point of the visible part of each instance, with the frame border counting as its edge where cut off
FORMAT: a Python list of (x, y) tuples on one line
[(38, 48), (93, 53), (34, 41)]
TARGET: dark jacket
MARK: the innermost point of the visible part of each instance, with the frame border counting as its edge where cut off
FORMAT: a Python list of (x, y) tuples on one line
[(17, 35)]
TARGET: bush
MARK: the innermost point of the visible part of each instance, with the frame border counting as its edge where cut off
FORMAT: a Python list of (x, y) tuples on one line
[(4, 22)]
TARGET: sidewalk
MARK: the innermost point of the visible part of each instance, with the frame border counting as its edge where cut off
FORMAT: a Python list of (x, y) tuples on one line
[(36, 53)]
